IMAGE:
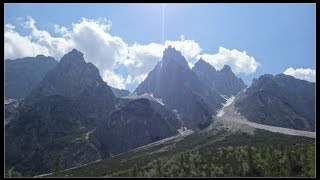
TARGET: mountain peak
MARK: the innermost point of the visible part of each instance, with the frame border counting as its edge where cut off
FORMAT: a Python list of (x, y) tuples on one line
[(73, 56), (75, 51), (41, 56), (170, 48), (203, 66), (73, 77), (44, 58), (226, 68), (224, 81), (283, 76), (201, 60), (170, 55), (266, 76), (171, 51), (173, 81)]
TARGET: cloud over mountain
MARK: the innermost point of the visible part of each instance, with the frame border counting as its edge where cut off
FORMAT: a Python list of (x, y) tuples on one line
[(301, 73), (239, 61), (107, 52), (17, 46)]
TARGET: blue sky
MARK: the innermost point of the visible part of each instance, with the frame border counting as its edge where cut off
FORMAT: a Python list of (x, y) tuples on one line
[(277, 36)]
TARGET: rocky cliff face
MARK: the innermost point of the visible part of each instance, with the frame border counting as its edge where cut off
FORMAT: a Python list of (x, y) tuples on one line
[(179, 88), (137, 123), (22, 75), (225, 82), (79, 81), (280, 100), (71, 97)]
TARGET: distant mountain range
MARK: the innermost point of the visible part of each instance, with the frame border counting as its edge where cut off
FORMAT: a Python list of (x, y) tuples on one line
[(65, 110)]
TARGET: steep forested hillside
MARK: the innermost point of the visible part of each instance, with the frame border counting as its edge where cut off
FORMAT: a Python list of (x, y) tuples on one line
[(262, 154)]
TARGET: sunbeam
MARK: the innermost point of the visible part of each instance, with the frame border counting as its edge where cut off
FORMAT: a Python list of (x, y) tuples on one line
[(163, 20)]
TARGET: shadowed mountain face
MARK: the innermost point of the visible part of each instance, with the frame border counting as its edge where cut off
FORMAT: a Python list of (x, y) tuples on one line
[(69, 101), (225, 82), (22, 75), (137, 123), (180, 88), (280, 100), (81, 82)]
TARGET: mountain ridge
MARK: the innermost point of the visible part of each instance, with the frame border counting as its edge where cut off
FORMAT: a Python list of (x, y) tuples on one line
[(224, 81), (23, 74), (271, 97), (172, 80)]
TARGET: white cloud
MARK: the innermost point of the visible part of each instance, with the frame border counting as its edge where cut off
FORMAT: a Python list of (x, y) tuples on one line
[(300, 73), (17, 46), (140, 78), (113, 79), (188, 48), (182, 37), (190, 65), (141, 59), (60, 29), (239, 61), (99, 47), (56, 46), (128, 79), (9, 27)]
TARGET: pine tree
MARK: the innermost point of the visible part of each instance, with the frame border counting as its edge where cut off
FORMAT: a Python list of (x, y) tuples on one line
[(250, 164), (134, 171), (289, 161), (285, 167), (159, 169), (268, 162), (311, 161)]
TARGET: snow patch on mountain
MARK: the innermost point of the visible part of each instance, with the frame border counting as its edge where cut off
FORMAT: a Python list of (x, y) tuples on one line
[(15, 102), (145, 95), (227, 103)]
